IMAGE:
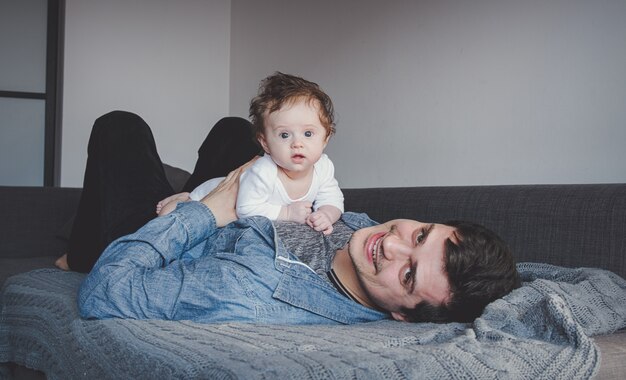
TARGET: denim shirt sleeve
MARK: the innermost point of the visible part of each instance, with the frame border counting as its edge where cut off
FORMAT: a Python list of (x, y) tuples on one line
[(141, 275)]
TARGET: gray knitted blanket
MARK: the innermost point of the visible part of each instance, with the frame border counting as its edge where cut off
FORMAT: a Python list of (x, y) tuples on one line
[(538, 331)]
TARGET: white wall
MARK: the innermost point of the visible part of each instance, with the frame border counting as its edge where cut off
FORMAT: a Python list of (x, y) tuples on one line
[(165, 60), (426, 92), (451, 92)]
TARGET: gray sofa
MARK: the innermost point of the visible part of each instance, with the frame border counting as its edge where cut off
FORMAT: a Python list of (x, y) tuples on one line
[(568, 226)]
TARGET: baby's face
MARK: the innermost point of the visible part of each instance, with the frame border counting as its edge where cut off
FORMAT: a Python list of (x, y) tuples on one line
[(294, 137)]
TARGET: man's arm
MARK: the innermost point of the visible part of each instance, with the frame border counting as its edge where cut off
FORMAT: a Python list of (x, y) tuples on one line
[(135, 277), (140, 275)]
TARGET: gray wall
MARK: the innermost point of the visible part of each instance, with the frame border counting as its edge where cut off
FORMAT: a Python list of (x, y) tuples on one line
[(451, 92), (165, 60), (426, 92)]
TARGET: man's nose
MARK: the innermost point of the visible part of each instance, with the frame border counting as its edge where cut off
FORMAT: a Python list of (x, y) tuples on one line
[(395, 248)]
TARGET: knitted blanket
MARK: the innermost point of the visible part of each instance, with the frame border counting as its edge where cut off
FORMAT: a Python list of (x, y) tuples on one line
[(540, 330)]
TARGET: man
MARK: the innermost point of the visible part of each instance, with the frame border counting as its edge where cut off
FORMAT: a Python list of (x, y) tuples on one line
[(200, 263)]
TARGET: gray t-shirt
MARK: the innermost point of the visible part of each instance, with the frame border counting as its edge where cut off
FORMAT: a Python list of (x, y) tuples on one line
[(314, 248)]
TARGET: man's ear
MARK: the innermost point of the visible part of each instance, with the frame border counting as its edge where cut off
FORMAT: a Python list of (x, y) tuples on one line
[(261, 140), (398, 316)]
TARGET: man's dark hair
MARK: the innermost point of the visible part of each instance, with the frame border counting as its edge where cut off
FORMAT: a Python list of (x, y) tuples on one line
[(480, 269)]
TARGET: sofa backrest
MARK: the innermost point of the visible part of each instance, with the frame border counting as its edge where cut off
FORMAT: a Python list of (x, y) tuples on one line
[(33, 218), (567, 225), (38, 220)]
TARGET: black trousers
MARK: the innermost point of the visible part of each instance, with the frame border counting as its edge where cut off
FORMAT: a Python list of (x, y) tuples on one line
[(124, 178)]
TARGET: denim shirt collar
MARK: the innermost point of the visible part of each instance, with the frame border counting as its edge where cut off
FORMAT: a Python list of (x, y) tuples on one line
[(301, 287), (356, 221), (284, 259)]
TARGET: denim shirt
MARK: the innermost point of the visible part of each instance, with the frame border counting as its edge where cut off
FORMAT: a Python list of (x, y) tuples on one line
[(182, 267)]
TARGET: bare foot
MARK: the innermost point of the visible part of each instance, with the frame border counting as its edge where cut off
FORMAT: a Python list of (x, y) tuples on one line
[(61, 262), (168, 204)]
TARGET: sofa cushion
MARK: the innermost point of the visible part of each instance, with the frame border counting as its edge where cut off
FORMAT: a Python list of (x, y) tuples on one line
[(10, 267), (42, 329)]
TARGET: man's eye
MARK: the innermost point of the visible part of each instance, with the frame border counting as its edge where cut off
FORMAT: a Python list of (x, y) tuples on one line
[(308, 134), (407, 276), (420, 237), (284, 135)]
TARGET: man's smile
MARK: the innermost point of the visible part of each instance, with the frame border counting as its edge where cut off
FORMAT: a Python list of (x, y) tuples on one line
[(373, 248)]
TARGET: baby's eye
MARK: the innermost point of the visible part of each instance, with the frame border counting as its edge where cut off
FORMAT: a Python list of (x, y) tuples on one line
[(308, 134), (284, 135)]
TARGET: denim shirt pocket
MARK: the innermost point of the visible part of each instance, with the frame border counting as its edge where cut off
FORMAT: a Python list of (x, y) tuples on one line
[(308, 292), (227, 239)]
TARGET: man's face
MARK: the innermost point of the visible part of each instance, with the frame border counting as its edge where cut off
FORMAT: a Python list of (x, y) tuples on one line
[(400, 264)]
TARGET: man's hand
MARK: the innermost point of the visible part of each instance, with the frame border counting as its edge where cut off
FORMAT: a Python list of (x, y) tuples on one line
[(323, 219), (221, 201), (296, 212)]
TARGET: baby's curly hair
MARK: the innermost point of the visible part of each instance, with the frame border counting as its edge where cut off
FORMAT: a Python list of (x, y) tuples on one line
[(279, 89)]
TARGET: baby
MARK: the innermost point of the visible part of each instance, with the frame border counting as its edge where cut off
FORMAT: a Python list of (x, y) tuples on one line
[(292, 120)]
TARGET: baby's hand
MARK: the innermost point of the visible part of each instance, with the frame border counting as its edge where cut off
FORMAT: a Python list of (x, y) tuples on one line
[(168, 204), (320, 221), (324, 218), (297, 211)]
